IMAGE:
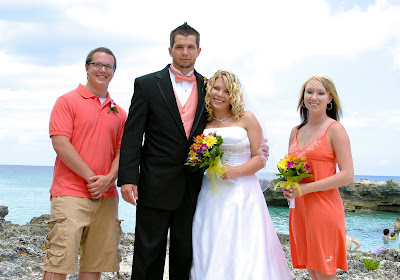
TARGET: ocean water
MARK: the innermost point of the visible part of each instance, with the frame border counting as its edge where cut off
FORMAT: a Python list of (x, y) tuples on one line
[(25, 190)]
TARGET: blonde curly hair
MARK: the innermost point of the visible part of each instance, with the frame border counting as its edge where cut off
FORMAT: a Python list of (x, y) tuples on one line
[(232, 84)]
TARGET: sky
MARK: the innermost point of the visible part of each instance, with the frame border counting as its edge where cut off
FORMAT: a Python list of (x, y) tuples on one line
[(272, 46)]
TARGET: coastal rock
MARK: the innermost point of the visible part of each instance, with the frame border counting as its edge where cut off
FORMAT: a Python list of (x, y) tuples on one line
[(371, 196), (272, 197), (3, 211), (396, 224), (20, 254), (361, 195)]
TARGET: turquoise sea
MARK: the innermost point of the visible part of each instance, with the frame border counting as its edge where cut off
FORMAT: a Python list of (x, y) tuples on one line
[(25, 190)]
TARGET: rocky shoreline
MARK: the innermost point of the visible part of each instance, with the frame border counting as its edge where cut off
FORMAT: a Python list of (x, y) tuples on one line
[(20, 254), (361, 195)]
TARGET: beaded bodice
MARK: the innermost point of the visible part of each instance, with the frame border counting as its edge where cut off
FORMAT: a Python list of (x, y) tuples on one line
[(236, 145)]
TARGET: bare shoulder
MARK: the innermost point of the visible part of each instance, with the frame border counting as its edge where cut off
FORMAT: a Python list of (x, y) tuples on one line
[(293, 132), (250, 120), (294, 129), (337, 129), (337, 136), (336, 126), (249, 116)]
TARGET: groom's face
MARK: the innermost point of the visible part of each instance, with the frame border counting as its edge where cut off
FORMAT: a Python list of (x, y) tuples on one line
[(184, 53)]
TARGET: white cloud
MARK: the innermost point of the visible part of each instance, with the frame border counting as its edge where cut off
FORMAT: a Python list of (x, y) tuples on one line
[(13, 30), (388, 119), (273, 46), (396, 56)]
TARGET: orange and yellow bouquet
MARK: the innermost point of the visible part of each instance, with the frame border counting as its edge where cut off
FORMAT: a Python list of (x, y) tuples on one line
[(205, 153), (291, 171)]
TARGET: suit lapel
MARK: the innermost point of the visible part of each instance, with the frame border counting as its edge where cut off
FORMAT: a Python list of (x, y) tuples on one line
[(200, 104), (167, 92)]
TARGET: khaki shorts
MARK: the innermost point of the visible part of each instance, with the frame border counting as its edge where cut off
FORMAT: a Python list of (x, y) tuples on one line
[(89, 224)]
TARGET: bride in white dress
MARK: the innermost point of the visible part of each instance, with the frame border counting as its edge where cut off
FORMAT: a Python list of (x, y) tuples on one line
[(233, 235)]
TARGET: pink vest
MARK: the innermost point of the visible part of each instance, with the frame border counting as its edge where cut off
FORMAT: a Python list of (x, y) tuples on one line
[(188, 111)]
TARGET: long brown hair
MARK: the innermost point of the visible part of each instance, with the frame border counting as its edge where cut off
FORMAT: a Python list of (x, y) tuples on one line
[(336, 111)]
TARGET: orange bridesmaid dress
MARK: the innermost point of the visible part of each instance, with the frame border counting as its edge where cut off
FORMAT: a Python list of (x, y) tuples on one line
[(317, 223)]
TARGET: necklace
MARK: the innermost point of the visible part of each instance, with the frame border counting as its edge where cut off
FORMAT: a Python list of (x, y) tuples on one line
[(222, 120)]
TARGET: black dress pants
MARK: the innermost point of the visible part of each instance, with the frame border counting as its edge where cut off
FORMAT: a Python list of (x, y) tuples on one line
[(151, 240)]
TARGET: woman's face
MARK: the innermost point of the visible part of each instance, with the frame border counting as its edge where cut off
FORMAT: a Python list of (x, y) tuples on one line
[(316, 98), (219, 96)]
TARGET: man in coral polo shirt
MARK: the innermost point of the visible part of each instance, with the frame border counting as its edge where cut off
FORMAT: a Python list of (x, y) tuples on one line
[(86, 129)]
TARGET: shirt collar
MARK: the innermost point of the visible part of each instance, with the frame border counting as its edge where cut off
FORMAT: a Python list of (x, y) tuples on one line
[(82, 90), (188, 74)]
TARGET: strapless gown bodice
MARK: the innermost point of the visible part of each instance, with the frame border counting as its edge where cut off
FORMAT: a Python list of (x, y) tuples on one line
[(236, 146)]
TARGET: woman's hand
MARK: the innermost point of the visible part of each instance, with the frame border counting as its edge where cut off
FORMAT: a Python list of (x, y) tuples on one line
[(293, 192), (231, 172)]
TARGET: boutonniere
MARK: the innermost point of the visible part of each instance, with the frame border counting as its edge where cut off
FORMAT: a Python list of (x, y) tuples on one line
[(113, 107), (205, 81)]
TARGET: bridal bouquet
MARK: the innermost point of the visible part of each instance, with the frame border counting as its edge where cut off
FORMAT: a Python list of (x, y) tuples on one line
[(291, 171), (205, 153)]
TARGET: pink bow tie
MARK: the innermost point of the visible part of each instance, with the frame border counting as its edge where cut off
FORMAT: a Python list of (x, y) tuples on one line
[(179, 77)]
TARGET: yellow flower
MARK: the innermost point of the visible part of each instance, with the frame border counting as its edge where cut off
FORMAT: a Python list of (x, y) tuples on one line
[(192, 155), (282, 164), (210, 141)]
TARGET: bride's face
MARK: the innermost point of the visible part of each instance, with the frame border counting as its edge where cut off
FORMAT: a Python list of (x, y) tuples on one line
[(219, 96)]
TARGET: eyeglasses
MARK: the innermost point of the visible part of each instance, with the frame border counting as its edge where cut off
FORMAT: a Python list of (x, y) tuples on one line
[(99, 65)]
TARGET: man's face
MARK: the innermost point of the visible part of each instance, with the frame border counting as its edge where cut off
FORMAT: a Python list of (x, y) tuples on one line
[(102, 76), (184, 53)]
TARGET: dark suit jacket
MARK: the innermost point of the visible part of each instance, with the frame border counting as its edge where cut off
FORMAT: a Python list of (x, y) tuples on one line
[(156, 164)]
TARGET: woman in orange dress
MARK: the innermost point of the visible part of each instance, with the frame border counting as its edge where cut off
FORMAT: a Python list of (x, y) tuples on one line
[(317, 223)]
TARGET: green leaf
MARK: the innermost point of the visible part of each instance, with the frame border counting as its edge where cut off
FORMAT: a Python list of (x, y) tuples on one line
[(278, 182), (290, 173), (371, 264)]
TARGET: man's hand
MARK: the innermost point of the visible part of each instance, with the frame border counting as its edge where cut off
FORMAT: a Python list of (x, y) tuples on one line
[(264, 150), (127, 190), (98, 185)]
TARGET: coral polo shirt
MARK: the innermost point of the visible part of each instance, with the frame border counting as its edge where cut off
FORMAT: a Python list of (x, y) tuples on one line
[(95, 133)]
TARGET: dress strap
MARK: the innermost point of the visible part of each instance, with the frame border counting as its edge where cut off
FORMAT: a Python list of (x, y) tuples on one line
[(329, 126), (295, 137)]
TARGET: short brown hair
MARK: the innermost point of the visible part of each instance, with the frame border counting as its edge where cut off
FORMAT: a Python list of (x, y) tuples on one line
[(185, 30), (101, 49)]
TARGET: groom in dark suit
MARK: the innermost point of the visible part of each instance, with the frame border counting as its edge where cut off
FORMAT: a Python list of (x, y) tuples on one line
[(167, 108)]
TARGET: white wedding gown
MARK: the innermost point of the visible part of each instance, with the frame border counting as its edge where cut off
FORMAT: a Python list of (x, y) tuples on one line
[(233, 235)]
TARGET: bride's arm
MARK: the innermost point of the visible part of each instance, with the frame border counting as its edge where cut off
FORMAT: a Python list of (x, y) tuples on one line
[(254, 132)]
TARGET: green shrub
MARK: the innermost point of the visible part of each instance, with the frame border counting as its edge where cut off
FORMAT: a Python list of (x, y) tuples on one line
[(391, 183), (370, 264)]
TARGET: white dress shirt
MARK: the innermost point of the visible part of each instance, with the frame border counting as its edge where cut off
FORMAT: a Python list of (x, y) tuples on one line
[(182, 89)]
